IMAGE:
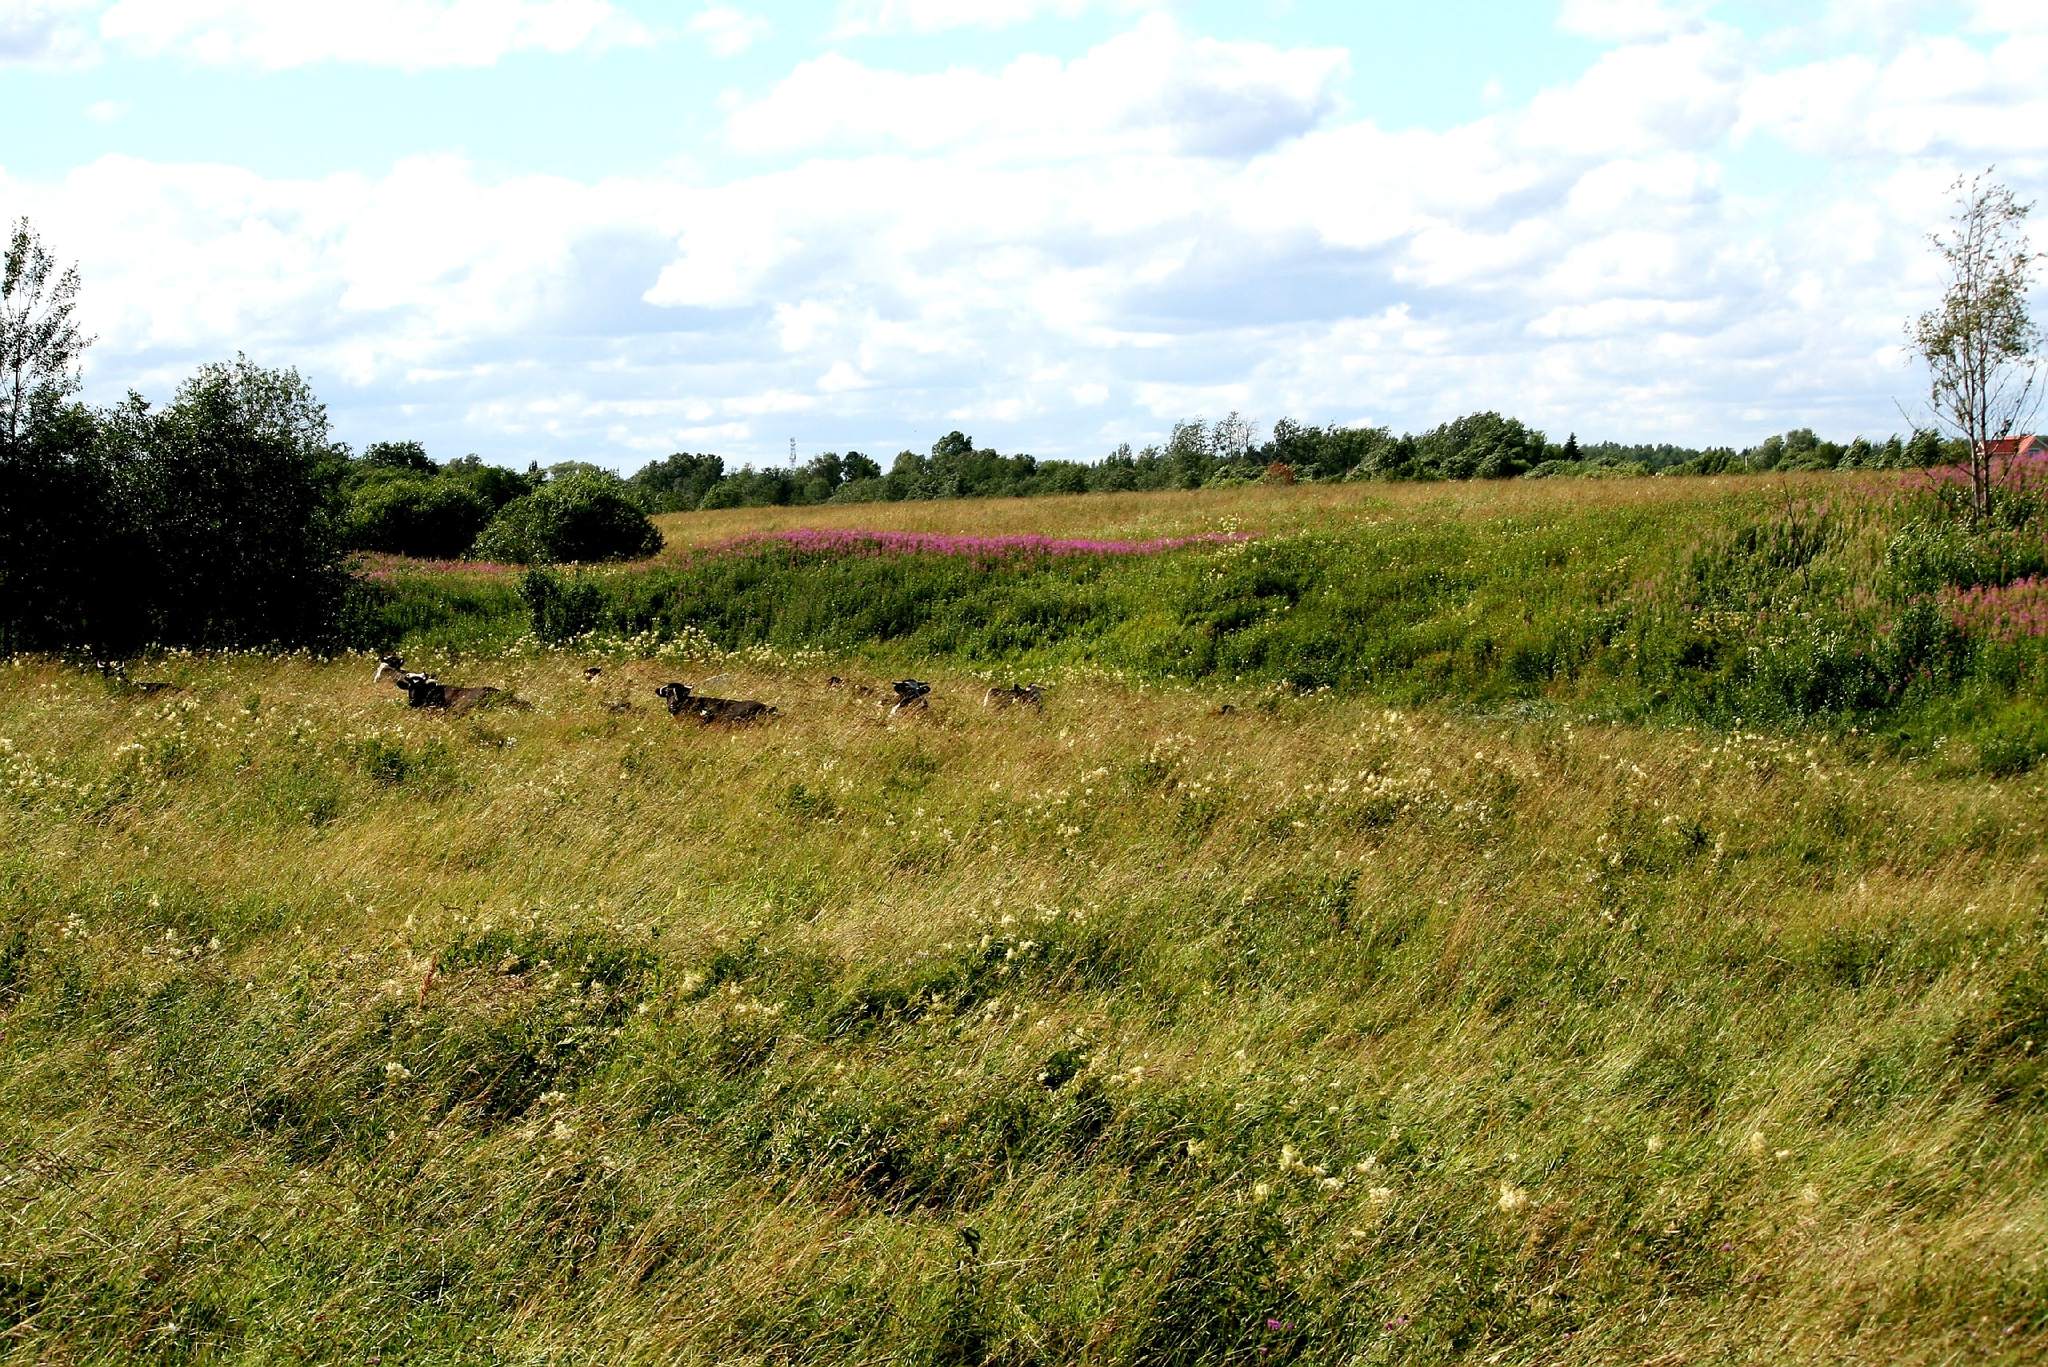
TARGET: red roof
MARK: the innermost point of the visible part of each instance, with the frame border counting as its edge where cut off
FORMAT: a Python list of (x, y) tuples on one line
[(2009, 447)]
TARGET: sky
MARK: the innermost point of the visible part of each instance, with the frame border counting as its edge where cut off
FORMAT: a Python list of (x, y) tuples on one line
[(606, 230)]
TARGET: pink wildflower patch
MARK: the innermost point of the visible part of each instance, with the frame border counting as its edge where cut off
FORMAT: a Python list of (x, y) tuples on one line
[(853, 541), (2015, 474), (2006, 612)]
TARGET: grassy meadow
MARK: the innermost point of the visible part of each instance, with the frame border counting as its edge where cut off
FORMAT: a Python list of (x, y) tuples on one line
[(1677, 995)]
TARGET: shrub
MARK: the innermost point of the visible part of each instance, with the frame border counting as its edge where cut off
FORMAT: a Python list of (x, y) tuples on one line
[(227, 504), (586, 515), (561, 608), (61, 518), (431, 518)]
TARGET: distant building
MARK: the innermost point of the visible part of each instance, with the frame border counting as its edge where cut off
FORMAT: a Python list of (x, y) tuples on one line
[(2017, 448)]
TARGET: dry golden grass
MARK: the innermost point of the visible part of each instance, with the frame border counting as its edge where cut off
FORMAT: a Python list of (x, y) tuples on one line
[(1257, 508), (333, 1030)]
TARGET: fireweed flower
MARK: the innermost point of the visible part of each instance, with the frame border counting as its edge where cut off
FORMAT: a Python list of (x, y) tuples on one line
[(2003, 612), (853, 541)]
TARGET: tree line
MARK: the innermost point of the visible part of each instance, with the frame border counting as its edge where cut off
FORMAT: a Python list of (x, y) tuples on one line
[(1229, 451)]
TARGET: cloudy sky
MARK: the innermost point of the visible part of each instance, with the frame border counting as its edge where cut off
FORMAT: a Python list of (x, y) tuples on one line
[(610, 229)]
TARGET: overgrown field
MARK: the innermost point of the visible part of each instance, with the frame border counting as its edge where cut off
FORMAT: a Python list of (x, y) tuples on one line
[(1826, 602), (1608, 926), (1317, 1032)]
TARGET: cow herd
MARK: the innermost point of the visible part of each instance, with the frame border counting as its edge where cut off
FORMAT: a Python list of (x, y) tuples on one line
[(681, 699)]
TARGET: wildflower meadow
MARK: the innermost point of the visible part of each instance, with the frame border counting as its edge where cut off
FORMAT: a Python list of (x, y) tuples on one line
[(1420, 926)]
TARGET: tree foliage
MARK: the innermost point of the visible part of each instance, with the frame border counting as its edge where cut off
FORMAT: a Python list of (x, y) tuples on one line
[(40, 339), (586, 515), (1981, 345)]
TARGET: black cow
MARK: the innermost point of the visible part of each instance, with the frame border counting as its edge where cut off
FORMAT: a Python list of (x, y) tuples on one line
[(912, 695), (423, 690), (712, 711), (116, 673)]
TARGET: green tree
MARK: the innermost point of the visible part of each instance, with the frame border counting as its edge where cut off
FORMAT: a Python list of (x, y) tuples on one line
[(494, 484), (678, 482), (232, 496), (398, 455), (584, 515), (1189, 455), (1479, 445), (409, 516), (1981, 346), (40, 340)]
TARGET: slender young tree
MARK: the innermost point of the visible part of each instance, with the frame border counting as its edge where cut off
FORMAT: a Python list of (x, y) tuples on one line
[(1981, 345), (40, 341)]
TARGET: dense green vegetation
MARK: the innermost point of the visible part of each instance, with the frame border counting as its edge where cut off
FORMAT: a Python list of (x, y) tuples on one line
[(1226, 452), (208, 522), (1751, 605)]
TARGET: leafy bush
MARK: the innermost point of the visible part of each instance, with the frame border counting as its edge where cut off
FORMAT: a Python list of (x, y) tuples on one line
[(60, 519), (583, 516), (423, 517)]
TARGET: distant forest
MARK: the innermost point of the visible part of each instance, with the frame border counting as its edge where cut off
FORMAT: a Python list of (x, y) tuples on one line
[(1197, 455)]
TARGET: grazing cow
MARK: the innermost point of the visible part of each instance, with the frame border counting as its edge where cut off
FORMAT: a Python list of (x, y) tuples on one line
[(912, 695), (591, 674), (1228, 709), (1015, 695), (389, 664), (712, 711)]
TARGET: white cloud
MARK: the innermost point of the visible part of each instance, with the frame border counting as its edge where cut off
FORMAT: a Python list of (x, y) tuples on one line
[(2008, 16), (728, 31), (106, 111), (46, 32), (268, 35), (1051, 251), (1156, 86), (1931, 96), (1678, 93)]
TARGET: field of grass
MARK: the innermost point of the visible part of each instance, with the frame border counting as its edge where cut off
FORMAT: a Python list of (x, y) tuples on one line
[(1253, 507), (1829, 602), (1522, 1026)]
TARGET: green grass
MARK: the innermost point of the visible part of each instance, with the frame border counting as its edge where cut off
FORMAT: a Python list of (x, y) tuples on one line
[(1790, 604), (1334, 1030)]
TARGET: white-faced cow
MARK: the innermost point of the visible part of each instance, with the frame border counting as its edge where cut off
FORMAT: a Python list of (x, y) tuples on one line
[(682, 700), (912, 695), (425, 691)]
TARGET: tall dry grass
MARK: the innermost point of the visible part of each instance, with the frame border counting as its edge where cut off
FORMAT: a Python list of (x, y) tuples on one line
[(1128, 1033), (1272, 509)]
